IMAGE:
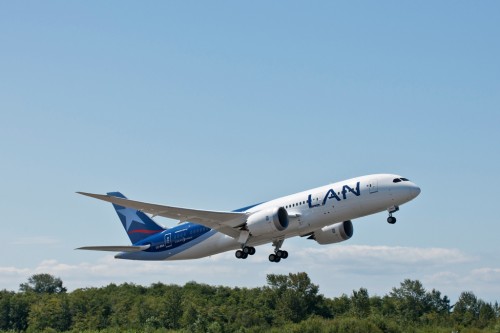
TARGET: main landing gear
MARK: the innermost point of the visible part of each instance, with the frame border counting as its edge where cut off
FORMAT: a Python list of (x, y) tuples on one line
[(278, 254), (273, 257), (391, 219), (245, 252)]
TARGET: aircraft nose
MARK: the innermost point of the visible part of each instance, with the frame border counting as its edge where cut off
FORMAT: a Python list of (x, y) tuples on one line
[(414, 191)]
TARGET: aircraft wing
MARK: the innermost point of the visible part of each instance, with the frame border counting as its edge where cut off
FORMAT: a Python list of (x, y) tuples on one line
[(225, 222), (130, 248)]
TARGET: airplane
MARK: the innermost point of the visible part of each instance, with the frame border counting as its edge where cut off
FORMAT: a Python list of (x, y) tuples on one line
[(323, 214)]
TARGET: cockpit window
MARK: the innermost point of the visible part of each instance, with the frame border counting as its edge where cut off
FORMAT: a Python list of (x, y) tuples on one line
[(397, 180)]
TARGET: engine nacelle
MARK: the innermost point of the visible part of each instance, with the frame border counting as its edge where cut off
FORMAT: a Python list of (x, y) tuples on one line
[(267, 221), (338, 232)]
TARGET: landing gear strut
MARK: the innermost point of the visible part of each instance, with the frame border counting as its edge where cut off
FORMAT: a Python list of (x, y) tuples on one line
[(391, 219), (278, 254), (245, 252)]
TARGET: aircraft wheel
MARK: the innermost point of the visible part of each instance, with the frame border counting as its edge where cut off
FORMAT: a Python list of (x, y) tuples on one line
[(246, 250), (284, 255), (277, 259), (252, 251), (279, 253), (391, 219), (272, 257), (245, 255), (239, 254)]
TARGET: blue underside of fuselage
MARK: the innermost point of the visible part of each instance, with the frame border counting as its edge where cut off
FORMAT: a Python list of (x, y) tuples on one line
[(170, 242)]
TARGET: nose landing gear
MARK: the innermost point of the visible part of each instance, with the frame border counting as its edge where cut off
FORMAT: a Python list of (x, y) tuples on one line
[(391, 219)]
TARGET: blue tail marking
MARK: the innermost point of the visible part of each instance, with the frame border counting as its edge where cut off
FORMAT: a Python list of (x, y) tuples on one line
[(137, 224)]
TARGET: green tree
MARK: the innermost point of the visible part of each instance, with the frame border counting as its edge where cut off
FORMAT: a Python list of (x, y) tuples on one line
[(19, 311), (340, 305), (354, 325), (466, 309), (411, 300), (189, 316), (437, 303), (170, 307), (297, 296), (487, 314), (360, 301), (5, 297), (438, 311), (51, 311), (90, 309), (43, 284)]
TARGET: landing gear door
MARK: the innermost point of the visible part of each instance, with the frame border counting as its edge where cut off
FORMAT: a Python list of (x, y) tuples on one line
[(373, 185)]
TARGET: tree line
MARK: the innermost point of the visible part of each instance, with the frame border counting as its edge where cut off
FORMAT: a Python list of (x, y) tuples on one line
[(288, 303)]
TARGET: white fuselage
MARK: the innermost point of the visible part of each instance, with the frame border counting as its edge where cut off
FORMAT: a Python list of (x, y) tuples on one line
[(315, 209)]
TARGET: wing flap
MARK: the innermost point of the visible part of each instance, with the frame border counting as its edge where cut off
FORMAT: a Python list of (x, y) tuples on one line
[(119, 248)]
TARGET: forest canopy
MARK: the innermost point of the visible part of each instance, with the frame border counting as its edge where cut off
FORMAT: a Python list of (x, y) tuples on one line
[(288, 303)]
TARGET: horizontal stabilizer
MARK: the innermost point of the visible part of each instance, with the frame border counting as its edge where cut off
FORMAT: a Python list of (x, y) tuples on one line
[(125, 248)]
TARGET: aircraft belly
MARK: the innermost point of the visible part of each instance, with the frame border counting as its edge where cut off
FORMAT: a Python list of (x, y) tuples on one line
[(218, 243)]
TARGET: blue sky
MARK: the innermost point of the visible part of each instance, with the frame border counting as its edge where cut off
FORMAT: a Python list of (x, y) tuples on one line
[(216, 105)]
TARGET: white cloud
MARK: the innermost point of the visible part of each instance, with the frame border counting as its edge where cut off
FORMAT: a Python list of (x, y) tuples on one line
[(382, 260), (386, 254), (12, 271), (446, 278), (337, 269), (487, 275), (11, 277), (484, 282)]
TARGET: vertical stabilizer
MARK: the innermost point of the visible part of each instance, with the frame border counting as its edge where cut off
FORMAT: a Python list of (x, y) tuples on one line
[(137, 224)]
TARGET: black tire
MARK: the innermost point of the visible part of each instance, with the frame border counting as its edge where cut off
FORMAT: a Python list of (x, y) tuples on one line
[(246, 250), (279, 253), (278, 259), (245, 255), (272, 257), (252, 251), (238, 254), (285, 255), (391, 219)]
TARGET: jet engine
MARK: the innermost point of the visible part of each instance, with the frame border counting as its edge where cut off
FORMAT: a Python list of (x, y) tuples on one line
[(338, 232), (267, 221)]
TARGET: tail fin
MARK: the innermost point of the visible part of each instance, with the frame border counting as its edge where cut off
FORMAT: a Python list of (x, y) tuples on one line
[(137, 224)]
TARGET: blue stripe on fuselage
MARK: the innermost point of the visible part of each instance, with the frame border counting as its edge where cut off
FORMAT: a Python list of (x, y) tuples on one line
[(159, 251)]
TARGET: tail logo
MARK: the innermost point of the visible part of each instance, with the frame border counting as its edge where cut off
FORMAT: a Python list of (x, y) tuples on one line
[(137, 224), (130, 216)]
